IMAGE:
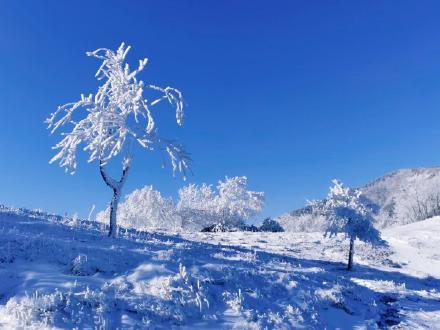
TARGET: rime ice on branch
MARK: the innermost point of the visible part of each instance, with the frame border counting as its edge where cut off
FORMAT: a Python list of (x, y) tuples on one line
[(113, 118)]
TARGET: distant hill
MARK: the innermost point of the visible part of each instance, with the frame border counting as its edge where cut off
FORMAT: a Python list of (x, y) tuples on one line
[(33, 214), (398, 198)]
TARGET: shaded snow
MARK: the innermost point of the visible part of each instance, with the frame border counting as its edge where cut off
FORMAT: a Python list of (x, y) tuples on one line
[(55, 275)]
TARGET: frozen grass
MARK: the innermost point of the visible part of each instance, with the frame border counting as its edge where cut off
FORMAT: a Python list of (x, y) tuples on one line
[(55, 273)]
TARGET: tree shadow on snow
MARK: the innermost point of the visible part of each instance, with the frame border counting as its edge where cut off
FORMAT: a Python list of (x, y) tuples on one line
[(258, 281)]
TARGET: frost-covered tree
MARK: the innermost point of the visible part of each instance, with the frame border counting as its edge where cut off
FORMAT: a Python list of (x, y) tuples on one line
[(345, 213), (235, 203), (145, 209), (112, 120), (226, 207), (197, 206)]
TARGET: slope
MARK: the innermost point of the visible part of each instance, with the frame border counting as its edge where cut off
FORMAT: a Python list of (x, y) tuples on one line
[(58, 274)]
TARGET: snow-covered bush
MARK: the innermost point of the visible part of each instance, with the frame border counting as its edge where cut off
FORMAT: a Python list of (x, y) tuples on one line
[(271, 226), (114, 119), (75, 309), (145, 209), (345, 213), (188, 291), (227, 207), (304, 220), (81, 266), (197, 206), (235, 203)]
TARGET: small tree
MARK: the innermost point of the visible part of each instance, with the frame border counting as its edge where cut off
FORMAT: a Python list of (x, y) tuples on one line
[(114, 118), (346, 214)]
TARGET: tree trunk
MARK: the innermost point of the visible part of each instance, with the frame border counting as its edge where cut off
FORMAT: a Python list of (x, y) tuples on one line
[(350, 255), (113, 211), (116, 186)]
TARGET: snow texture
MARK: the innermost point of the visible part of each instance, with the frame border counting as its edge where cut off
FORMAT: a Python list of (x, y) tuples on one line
[(62, 273)]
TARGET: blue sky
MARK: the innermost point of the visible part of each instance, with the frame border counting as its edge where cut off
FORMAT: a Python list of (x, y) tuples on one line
[(288, 93)]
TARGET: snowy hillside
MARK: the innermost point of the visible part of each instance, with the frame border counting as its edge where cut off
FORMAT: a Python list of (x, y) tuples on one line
[(59, 273), (400, 197)]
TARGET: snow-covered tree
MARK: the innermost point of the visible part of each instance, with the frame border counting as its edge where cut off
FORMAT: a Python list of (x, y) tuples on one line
[(227, 207), (197, 206), (346, 214), (235, 203), (113, 119), (145, 209)]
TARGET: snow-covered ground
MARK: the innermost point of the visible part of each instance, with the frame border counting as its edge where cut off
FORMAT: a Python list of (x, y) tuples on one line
[(57, 273)]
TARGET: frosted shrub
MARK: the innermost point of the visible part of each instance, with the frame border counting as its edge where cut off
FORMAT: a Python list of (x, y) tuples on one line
[(81, 266), (234, 300), (227, 207), (270, 225), (145, 209), (188, 291), (83, 309), (196, 206)]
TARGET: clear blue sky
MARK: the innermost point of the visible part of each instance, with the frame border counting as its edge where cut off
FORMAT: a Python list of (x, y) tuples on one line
[(288, 93)]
